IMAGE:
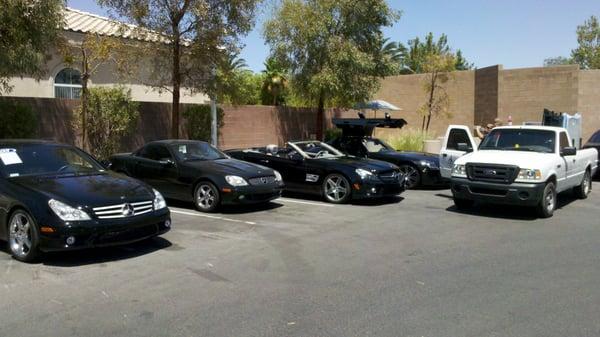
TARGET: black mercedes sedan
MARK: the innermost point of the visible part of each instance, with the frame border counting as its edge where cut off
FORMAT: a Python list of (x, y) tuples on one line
[(317, 168), (594, 143), (421, 169), (57, 197), (196, 171)]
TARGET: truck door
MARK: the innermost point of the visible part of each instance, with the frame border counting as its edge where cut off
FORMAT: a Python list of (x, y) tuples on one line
[(571, 177), (455, 135)]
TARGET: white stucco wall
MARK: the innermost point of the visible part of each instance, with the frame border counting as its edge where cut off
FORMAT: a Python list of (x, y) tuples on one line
[(105, 76)]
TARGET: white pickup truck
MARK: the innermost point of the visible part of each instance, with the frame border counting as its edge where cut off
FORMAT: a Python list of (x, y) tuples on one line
[(520, 165)]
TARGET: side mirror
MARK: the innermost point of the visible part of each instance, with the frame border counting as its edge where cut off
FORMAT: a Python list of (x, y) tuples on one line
[(568, 151), (464, 147)]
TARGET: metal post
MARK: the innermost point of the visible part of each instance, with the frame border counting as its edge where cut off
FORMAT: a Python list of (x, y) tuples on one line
[(214, 132)]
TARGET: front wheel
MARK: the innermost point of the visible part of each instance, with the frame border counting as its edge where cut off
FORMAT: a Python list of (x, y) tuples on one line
[(23, 236), (547, 204), (336, 189), (206, 197), (412, 176), (583, 190)]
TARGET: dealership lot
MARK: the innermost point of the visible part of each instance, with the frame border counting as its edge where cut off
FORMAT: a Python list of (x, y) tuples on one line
[(411, 266)]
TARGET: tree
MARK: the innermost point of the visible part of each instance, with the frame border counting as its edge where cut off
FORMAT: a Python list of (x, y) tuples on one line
[(558, 61), (192, 36), (89, 55), (436, 68), (28, 29), (228, 79), (418, 52), (332, 48), (587, 53), (275, 83)]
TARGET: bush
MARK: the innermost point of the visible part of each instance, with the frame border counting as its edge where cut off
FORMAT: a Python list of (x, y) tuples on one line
[(198, 122), (408, 140), (111, 116), (331, 134), (17, 121)]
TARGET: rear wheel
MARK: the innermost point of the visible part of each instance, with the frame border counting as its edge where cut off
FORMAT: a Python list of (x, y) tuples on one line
[(583, 190), (23, 236), (463, 204), (336, 189), (547, 204), (206, 197), (412, 176)]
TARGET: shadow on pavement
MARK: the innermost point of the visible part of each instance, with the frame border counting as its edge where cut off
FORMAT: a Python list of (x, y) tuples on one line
[(101, 255), (363, 202), (229, 209), (510, 211)]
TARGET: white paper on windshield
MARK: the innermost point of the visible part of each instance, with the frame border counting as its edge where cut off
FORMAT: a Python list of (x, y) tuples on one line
[(10, 157), (183, 149)]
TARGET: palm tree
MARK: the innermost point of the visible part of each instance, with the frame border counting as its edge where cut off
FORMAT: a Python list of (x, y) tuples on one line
[(275, 83), (226, 78)]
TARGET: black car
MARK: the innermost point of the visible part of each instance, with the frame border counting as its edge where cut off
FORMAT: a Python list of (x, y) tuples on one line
[(198, 172), (57, 197), (317, 168), (420, 169), (594, 143)]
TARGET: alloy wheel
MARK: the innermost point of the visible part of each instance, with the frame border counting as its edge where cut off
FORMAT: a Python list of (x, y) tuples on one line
[(336, 188), (205, 197), (550, 201), (587, 182), (20, 238), (411, 176)]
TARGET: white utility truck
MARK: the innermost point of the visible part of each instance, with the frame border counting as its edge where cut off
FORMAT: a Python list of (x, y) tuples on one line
[(520, 165)]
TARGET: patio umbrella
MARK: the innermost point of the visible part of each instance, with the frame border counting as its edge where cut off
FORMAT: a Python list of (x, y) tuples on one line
[(377, 105)]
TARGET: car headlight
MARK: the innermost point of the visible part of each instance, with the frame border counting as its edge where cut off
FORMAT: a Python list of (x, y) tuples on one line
[(529, 174), (459, 170), (430, 164), (236, 181), (278, 176), (66, 212), (159, 200), (364, 174)]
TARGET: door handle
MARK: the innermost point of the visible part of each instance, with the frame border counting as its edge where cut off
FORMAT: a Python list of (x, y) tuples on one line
[(266, 161)]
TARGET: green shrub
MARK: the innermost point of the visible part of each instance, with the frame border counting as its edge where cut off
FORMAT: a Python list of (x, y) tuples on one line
[(407, 140), (333, 133), (111, 116), (17, 121), (198, 122)]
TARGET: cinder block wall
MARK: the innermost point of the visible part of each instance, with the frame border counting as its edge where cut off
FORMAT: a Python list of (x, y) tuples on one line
[(589, 101)]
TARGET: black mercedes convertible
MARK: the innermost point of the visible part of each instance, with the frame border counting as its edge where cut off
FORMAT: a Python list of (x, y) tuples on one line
[(57, 197), (420, 169), (317, 168), (196, 171)]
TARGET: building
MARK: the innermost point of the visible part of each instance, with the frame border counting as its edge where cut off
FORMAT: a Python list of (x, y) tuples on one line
[(64, 81)]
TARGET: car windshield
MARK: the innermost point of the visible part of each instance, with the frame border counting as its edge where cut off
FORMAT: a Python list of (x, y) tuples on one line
[(196, 151), (374, 145), (315, 149), (45, 159), (520, 140)]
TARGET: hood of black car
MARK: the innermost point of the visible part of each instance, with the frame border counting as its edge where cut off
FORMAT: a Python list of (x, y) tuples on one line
[(232, 167), (89, 190), (366, 164)]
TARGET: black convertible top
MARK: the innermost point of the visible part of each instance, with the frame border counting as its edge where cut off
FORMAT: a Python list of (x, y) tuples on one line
[(360, 127)]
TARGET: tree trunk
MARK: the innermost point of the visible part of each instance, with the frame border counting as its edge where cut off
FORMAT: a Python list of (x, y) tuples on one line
[(85, 77), (320, 116), (431, 96), (176, 83)]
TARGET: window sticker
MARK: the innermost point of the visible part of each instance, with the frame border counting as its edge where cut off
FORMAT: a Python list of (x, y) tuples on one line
[(10, 157), (183, 149)]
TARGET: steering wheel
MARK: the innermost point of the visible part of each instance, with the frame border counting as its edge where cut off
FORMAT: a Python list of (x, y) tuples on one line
[(321, 153), (62, 168)]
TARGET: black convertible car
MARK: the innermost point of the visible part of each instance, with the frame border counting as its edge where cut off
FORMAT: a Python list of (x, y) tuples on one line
[(315, 167), (57, 197), (196, 171), (420, 169)]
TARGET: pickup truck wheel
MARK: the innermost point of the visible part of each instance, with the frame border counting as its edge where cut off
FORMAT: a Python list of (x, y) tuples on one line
[(582, 191), (206, 197), (547, 205), (463, 204)]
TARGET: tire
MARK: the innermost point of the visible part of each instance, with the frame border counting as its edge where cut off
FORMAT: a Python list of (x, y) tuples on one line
[(547, 204), (23, 237), (206, 197), (463, 204), (336, 189), (412, 176), (583, 190)]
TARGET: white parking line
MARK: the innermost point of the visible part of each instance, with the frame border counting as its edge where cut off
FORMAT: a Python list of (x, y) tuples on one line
[(304, 202), (201, 215)]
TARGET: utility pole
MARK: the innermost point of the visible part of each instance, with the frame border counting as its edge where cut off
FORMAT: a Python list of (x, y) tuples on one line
[(214, 136)]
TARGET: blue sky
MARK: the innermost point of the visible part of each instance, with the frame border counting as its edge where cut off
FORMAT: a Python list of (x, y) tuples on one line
[(515, 33)]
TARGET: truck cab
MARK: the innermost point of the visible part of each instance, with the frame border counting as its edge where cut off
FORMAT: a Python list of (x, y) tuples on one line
[(524, 165)]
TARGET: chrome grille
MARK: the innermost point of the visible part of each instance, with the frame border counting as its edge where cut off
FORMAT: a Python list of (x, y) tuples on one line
[(262, 180), (123, 210), (391, 175), (503, 174)]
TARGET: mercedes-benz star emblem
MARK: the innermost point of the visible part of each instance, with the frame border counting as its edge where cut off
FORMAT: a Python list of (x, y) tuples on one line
[(490, 172), (263, 180), (127, 210)]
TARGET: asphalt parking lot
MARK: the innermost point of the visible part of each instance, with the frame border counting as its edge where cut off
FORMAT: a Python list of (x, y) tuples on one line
[(411, 266)]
